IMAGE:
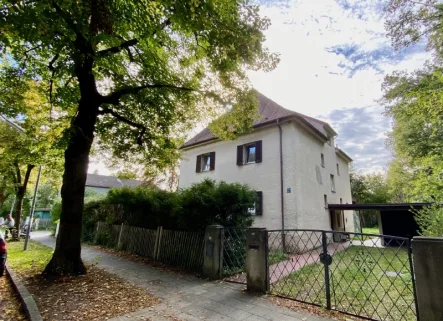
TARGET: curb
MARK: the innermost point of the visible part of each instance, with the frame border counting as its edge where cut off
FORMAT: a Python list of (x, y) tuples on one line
[(25, 297)]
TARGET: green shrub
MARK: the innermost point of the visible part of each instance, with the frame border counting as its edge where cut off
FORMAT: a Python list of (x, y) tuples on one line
[(192, 208), (211, 202), (430, 220)]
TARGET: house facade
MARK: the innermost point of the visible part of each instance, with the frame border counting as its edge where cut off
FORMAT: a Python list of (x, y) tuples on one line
[(101, 184), (291, 161)]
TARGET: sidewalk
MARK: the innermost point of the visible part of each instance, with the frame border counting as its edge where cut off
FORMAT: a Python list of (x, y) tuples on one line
[(186, 297)]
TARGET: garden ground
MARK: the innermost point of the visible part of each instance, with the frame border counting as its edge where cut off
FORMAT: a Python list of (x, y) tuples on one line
[(96, 296), (185, 297)]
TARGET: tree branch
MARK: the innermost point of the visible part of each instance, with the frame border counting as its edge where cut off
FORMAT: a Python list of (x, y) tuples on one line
[(67, 19), (51, 82), (116, 49), (114, 98), (127, 121)]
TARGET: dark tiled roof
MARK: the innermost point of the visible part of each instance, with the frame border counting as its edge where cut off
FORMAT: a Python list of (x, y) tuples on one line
[(94, 180), (270, 111)]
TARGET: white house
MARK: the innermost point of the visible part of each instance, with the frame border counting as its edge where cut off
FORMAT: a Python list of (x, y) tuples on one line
[(102, 184), (291, 161)]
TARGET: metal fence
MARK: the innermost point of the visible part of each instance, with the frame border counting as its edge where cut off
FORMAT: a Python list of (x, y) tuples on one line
[(182, 249), (366, 275), (234, 255)]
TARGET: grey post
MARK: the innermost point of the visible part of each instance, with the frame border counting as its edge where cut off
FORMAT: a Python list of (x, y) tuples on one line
[(428, 268), (256, 260), (213, 252)]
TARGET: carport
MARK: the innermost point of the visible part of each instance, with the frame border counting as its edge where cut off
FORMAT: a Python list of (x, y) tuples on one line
[(393, 219)]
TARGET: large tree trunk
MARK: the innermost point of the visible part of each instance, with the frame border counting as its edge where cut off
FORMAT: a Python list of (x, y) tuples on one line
[(20, 195), (67, 255)]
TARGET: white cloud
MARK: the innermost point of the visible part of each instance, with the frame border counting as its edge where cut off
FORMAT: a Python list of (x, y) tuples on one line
[(334, 56)]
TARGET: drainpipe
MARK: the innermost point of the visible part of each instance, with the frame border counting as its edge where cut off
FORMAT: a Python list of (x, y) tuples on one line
[(281, 187)]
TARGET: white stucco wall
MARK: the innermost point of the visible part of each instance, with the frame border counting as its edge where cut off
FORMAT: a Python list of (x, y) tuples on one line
[(304, 205), (313, 182), (264, 176)]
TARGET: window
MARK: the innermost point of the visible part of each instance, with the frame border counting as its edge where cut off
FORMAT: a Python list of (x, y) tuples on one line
[(325, 198), (322, 160), (341, 200), (332, 183), (249, 153), (338, 170), (205, 162), (258, 205)]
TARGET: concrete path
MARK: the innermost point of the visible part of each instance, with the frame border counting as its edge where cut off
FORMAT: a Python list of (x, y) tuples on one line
[(296, 262), (186, 297)]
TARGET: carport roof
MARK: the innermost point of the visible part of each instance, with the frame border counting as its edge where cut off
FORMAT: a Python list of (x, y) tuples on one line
[(385, 206)]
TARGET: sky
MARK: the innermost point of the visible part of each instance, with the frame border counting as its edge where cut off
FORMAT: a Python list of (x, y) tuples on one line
[(334, 57)]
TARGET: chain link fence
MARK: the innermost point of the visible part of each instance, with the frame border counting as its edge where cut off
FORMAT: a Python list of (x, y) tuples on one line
[(234, 255), (365, 275)]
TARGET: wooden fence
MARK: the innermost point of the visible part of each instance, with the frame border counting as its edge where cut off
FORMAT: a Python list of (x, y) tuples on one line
[(183, 249)]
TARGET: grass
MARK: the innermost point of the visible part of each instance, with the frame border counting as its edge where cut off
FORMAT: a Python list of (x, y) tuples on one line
[(358, 282), (35, 258), (367, 230), (277, 256), (370, 230)]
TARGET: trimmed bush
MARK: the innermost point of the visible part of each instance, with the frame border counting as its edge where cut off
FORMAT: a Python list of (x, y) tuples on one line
[(193, 208)]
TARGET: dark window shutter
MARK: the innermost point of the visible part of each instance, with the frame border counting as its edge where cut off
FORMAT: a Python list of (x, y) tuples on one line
[(258, 151), (259, 204), (212, 165), (240, 155), (198, 167)]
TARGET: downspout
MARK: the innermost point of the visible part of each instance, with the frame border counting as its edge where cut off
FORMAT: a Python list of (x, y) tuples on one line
[(281, 187)]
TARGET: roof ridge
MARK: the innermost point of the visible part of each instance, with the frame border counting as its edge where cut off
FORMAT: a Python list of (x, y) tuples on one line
[(270, 111)]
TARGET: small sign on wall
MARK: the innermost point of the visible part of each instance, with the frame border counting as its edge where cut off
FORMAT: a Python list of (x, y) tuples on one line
[(288, 190)]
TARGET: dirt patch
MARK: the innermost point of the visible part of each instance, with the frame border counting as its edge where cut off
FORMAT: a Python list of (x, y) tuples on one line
[(94, 297), (312, 309), (10, 306)]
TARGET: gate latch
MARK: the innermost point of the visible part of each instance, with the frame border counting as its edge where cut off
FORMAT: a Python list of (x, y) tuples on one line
[(326, 258)]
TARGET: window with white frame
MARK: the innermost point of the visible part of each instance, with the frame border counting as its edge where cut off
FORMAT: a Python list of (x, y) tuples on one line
[(332, 183), (249, 153), (205, 162), (257, 208)]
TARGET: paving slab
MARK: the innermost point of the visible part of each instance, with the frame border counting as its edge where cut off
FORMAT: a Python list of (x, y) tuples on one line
[(184, 296)]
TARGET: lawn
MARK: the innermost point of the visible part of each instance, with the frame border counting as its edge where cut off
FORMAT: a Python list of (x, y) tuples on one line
[(367, 230), (358, 282), (35, 258)]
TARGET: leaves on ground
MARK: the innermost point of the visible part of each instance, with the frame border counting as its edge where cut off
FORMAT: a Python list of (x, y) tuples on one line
[(10, 306), (94, 297)]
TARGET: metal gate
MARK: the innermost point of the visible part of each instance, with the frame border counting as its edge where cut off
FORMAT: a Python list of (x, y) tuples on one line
[(365, 275), (234, 255)]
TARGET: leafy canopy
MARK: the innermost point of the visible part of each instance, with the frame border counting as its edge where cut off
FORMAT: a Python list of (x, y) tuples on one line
[(159, 66)]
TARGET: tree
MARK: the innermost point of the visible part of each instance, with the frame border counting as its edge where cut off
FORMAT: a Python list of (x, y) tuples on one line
[(370, 189), (28, 142), (138, 74), (413, 100)]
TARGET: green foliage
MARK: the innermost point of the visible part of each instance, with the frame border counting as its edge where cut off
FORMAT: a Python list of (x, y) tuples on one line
[(368, 189), (46, 195), (414, 101), (277, 256), (164, 65), (430, 220), (193, 208), (211, 202)]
